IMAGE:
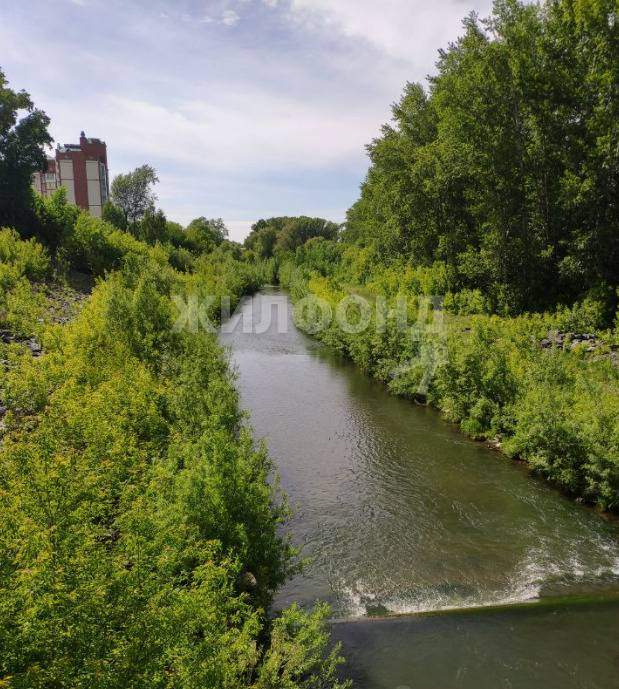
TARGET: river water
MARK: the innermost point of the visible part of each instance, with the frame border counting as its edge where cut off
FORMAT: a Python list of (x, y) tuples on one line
[(396, 513)]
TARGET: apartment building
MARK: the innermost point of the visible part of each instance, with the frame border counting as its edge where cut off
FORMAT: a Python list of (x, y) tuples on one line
[(46, 182), (82, 170)]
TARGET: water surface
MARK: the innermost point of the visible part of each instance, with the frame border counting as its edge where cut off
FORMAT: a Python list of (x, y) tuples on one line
[(397, 512)]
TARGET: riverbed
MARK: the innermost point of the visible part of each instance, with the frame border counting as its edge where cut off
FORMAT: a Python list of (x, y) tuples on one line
[(398, 513)]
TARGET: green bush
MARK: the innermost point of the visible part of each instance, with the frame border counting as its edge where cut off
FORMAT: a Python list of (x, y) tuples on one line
[(557, 410), (583, 317), (55, 218), (27, 258), (21, 304), (95, 246), (135, 504)]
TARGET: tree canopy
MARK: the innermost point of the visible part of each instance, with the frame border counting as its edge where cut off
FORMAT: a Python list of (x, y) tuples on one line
[(204, 234), (506, 169), (22, 152), (287, 233), (133, 192)]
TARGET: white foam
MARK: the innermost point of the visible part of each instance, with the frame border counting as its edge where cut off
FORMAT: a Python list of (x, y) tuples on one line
[(524, 585)]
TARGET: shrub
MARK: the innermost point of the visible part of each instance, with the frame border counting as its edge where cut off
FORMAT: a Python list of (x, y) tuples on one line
[(28, 258), (95, 246), (21, 304), (134, 502), (555, 409)]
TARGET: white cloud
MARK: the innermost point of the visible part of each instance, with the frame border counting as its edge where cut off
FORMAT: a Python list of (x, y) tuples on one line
[(230, 18), (248, 130), (405, 29)]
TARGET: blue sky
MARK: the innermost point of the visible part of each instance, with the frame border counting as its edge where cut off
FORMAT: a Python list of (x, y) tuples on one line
[(247, 108)]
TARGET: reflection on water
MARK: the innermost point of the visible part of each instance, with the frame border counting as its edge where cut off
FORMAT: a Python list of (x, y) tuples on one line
[(397, 512)]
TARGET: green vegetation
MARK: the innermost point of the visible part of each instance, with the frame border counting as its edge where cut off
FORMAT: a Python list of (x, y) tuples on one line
[(555, 407), (503, 176), (496, 188), (142, 534), (133, 195), (21, 152), (277, 235), (132, 209), (21, 263)]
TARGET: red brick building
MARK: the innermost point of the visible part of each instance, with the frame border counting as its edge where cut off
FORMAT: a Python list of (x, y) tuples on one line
[(82, 170)]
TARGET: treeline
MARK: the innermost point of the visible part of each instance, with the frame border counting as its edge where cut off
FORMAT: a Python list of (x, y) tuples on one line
[(141, 538), (528, 384), (496, 190), (503, 175), (95, 245), (276, 236)]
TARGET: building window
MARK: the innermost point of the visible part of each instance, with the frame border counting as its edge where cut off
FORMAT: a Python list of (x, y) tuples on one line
[(103, 183)]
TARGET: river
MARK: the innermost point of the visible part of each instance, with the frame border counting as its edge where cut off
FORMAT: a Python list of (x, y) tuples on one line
[(398, 513)]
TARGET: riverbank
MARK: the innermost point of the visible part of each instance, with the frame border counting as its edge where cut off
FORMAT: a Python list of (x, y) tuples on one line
[(444, 566), (396, 509), (140, 542), (554, 407)]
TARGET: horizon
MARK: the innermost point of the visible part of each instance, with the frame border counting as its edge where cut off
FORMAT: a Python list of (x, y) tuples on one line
[(265, 112)]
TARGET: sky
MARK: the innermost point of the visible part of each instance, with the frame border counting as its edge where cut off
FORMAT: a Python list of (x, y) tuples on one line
[(246, 108)]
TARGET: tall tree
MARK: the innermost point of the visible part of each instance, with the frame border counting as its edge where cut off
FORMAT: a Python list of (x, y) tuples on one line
[(205, 234), (287, 233), (114, 215), (507, 170), (133, 192), (22, 152), (153, 227)]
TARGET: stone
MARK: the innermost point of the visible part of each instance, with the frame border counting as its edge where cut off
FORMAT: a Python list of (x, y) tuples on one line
[(34, 347), (247, 581)]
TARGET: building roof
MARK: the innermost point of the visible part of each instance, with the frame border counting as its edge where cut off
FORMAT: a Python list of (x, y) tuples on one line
[(67, 148)]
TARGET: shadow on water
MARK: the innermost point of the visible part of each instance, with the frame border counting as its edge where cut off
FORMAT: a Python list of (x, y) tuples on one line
[(400, 513)]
